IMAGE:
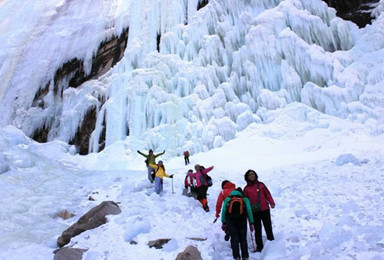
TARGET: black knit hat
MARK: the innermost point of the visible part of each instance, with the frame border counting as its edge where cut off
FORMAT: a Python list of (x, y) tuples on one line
[(248, 173), (223, 183)]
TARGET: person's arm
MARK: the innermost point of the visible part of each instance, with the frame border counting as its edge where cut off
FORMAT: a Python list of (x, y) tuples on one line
[(205, 171), (159, 154), (219, 203), (269, 197), (143, 154), (249, 210), (153, 166), (224, 210)]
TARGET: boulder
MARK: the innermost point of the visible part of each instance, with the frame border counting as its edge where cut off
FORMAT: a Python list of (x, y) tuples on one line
[(190, 253), (68, 253), (92, 219), (158, 244)]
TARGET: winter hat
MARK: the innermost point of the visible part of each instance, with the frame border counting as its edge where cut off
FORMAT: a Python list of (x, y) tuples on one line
[(150, 150), (248, 173), (190, 171), (160, 161), (223, 183)]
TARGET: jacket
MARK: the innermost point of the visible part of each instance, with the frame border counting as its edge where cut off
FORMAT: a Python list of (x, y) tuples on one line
[(227, 189), (247, 206), (159, 171), (250, 191), (151, 159), (200, 177)]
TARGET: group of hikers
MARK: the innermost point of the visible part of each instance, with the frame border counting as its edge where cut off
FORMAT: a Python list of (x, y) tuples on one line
[(236, 206)]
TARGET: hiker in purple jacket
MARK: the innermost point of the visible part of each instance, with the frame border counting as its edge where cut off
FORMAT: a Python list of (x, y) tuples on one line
[(201, 184), (260, 198)]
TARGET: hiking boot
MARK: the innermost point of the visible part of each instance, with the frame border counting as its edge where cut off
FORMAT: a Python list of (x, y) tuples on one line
[(258, 249), (206, 208), (237, 258), (245, 258), (226, 237)]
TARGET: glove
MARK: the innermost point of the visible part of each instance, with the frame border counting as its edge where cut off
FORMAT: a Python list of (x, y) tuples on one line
[(217, 215), (273, 206), (164, 151), (138, 151), (252, 227), (171, 176), (224, 227)]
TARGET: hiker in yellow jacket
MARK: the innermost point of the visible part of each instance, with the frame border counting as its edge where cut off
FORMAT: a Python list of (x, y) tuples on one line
[(159, 175)]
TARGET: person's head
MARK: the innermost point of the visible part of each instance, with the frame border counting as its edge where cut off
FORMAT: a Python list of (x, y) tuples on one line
[(160, 163), (197, 167), (223, 183), (150, 151), (250, 176), (190, 171)]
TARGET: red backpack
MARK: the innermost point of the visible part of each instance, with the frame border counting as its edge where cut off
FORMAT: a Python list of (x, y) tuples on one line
[(236, 207)]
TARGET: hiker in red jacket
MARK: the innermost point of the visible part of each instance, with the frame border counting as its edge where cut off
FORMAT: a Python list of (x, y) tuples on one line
[(202, 184), (186, 157), (260, 199), (227, 188)]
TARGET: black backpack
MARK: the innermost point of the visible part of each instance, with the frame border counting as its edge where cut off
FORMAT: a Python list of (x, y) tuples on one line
[(236, 207)]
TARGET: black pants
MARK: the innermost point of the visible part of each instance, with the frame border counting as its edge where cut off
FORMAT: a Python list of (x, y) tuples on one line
[(202, 192), (237, 229), (186, 160), (265, 217)]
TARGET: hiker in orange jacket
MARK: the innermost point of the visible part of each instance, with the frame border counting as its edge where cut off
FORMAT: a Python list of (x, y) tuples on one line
[(227, 188)]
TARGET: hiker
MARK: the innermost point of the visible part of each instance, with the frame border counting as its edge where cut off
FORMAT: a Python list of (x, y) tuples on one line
[(159, 173), (227, 187), (190, 185), (202, 184), (234, 215), (260, 199), (150, 158), (186, 157)]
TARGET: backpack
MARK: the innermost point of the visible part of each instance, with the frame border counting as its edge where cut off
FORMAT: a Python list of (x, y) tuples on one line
[(208, 179), (236, 208)]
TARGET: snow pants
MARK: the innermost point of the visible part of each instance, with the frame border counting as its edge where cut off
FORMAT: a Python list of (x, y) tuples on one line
[(237, 229), (150, 174), (158, 185), (265, 217)]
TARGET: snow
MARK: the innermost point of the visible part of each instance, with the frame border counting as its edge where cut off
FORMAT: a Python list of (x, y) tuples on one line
[(282, 87), (326, 176)]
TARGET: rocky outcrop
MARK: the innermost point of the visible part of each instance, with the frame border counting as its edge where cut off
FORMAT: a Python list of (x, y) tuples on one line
[(357, 11), (72, 74), (190, 253), (92, 219)]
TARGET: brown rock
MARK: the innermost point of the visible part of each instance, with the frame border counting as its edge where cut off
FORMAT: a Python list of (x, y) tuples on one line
[(92, 219), (190, 253)]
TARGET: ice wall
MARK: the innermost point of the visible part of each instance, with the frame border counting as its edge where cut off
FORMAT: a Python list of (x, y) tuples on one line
[(218, 69)]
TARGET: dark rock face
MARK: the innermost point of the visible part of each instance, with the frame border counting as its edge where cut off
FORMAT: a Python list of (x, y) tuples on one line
[(72, 74), (202, 3), (357, 11), (81, 139)]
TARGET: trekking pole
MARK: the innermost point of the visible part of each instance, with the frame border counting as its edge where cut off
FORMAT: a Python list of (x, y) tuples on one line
[(253, 242), (172, 187), (215, 220)]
